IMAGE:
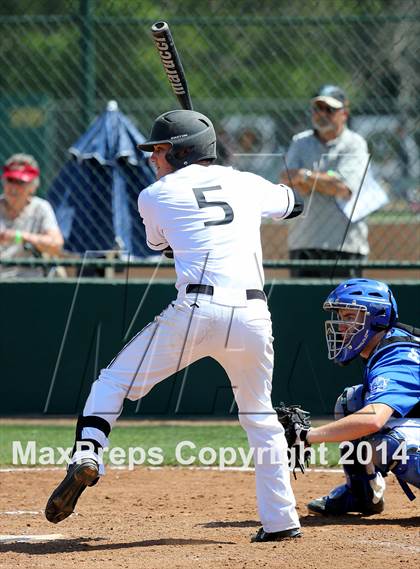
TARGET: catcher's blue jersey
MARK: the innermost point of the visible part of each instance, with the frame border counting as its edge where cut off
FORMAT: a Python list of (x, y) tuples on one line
[(392, 374)]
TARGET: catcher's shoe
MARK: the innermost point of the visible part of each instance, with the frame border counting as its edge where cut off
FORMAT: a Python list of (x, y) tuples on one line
[(262, 535), (64, 498), (344, 503)]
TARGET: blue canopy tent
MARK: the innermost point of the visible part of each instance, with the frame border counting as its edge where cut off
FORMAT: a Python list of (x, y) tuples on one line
[(95, 193)]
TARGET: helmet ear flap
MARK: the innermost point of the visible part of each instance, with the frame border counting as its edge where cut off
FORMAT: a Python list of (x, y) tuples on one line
[(182, 154), (178, 156), (393, 317), (379, 327)]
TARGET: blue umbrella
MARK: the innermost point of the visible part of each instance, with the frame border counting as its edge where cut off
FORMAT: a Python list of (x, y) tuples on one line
[(95, 193)]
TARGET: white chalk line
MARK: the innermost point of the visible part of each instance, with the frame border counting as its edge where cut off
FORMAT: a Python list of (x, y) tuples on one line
[(26, 538), (393, 545), (211, 468), (21, 513)]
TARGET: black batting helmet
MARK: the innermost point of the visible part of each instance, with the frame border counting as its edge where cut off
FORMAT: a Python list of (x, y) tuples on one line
[(191, 135)]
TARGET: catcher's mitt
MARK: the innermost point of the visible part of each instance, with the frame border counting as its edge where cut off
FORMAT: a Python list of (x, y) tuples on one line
[(296, 423)]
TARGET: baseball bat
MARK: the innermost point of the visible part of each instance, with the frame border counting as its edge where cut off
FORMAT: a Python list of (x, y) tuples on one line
[(171, 63)]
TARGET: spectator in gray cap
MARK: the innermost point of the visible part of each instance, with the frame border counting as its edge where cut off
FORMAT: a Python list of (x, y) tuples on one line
[(326, 164), (28, 226)]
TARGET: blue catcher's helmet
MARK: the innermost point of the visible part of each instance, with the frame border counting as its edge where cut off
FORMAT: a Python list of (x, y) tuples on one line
[(370, 308)]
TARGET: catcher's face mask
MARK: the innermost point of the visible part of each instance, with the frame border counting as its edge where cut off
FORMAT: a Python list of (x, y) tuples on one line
[(346, 333)]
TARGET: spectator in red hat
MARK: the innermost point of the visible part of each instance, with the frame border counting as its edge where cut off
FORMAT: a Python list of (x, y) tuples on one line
[(28, 225)]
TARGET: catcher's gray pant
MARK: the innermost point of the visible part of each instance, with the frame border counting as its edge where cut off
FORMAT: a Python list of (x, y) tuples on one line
[(240, 340)]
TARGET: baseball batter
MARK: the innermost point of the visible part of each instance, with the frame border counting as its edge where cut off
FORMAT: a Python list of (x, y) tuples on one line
[(210, 217)]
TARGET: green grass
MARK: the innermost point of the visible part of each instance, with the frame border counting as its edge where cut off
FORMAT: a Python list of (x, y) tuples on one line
[(166, 437), (393, 217)]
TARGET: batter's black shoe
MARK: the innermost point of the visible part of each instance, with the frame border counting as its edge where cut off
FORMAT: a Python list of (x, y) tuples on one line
[(344, 504), (262, 535), (64, 498)]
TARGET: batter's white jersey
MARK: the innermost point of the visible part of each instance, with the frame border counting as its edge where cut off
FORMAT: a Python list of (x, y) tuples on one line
[(210, 216)]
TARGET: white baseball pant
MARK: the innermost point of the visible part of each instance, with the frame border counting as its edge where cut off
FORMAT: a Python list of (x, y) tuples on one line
[(240, 340)]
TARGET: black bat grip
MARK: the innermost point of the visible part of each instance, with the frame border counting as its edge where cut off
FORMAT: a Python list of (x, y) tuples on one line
[(171, 62)]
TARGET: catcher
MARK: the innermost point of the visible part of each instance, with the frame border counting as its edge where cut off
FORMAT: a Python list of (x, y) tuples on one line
[(380, 417)]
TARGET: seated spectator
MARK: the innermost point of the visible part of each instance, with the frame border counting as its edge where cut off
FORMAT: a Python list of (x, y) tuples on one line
[(28, 226)]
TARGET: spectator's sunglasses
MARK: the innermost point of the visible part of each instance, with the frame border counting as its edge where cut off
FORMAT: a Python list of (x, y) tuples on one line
[(16, 182), (322, 108)]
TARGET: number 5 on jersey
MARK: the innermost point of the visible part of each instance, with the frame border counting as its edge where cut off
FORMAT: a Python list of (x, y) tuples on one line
[(202, 202)]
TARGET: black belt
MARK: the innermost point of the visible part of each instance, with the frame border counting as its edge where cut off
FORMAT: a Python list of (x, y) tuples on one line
[(251, 293)]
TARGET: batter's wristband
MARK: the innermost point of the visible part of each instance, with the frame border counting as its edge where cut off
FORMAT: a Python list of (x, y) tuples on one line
[(18, 237)]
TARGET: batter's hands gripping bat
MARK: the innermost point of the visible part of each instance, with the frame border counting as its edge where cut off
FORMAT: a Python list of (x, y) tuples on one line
[(171, 63)]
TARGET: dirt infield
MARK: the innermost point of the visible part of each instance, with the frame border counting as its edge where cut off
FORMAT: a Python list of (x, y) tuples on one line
[(181, 518)]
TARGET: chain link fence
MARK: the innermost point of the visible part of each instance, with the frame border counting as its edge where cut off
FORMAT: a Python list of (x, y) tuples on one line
[(252, 68)]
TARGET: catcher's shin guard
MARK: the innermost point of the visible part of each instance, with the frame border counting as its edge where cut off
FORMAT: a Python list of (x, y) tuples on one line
[(64, 498), (341, 501), (401, 457), (362, 493)]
